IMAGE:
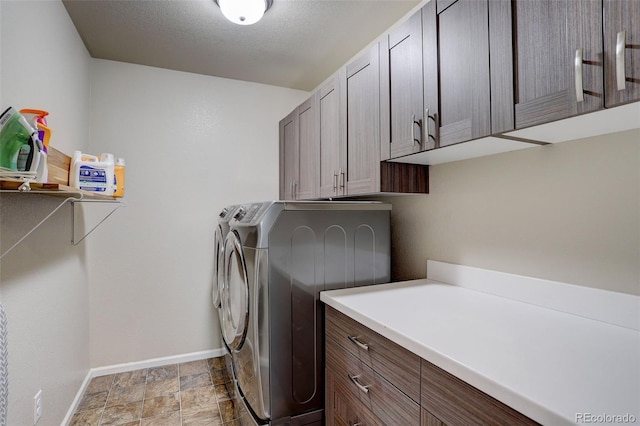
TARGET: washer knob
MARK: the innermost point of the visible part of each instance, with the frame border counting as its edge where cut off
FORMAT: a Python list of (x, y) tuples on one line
[(240, 214)]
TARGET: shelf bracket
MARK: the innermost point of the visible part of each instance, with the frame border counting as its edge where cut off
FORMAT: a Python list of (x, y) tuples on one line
[(75, 232), (66, 196), (58, 207)]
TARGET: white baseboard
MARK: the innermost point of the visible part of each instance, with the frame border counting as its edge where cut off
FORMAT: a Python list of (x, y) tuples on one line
[(155, 362), (132, 366), (76, 400), (607, 306)]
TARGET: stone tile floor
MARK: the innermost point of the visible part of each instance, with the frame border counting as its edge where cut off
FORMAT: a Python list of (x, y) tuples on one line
[(194, 393)]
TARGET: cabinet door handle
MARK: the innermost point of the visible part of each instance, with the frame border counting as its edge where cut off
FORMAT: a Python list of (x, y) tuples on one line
[(427, 122), (291, 190), (427, 133), (413, 132), (335, 182), (356, 381), (620, 46), (342, 183), (577, 64), (295, 189), (361, 345)]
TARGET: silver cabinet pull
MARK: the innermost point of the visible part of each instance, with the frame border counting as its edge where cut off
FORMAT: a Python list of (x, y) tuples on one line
[(356, 381), (413, 132), (295, 189), (354, 424), (361, 345), (427, 134), (620, 46), (342, 183), (291, 190), (577, 64), (335, 182)]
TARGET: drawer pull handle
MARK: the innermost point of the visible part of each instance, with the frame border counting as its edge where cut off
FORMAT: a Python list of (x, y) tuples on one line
[(356, 381), (354, 424), (361, 345)]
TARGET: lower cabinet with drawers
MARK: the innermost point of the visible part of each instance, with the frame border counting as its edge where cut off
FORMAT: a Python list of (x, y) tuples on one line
[(371, 380)]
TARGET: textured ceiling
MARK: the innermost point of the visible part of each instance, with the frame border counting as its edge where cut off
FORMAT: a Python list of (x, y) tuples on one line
[(298, 43)]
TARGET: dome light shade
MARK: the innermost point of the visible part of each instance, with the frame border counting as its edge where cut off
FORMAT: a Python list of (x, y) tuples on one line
[(244, 12)]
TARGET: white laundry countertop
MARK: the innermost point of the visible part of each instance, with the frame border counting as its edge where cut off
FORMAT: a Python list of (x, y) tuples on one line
[(554, 367)]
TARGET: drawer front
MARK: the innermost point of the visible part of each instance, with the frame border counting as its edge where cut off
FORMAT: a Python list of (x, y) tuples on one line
[(393, 362), (429, 419), (359, 381), (343, 409), (455, 402)]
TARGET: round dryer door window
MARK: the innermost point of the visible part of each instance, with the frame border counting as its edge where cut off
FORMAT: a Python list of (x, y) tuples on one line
[(235, 294), (218, 255)]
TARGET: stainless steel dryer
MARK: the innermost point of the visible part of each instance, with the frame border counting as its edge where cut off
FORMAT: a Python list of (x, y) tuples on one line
[(278, 257), (219, 235)]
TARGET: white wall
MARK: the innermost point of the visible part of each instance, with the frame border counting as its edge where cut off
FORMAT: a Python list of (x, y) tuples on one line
[(139, 286), (43, 282), (567, 212), (193, 144)]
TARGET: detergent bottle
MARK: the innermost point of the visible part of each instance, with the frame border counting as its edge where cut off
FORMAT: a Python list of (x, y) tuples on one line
[(119, 178), (91, 173), (38, 120)]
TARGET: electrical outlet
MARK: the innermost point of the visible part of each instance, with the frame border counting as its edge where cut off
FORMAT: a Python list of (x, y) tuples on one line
[(37, 407)]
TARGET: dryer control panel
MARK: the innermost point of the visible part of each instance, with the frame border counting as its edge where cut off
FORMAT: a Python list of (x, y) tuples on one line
[(250, 213)]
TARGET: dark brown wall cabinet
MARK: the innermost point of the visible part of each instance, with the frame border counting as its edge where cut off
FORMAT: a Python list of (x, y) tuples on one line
[(463, 70), (373, 381), (437, 85), (455, 71), (557, 59), (401, 89), (563, 52), (299, 152), (330, 145), (621, 51), (487, 67), (366, 174), (333, 138), (363, 129)]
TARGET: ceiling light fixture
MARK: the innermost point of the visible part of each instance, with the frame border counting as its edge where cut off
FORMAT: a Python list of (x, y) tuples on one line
[(244, 12)]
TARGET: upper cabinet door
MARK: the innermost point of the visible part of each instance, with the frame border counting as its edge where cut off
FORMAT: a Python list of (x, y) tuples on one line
[(299, 152), (621, 51), (363, 123), (431, 96), (306, 187), (557, 59), (401, 88), (333, 161), (464, 78), (288, 155)]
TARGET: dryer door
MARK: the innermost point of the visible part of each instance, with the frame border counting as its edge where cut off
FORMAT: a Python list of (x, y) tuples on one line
[(235, 293), (218, 255)]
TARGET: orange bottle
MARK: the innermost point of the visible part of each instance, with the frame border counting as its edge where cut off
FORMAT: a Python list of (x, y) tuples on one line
[(119, 178)]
